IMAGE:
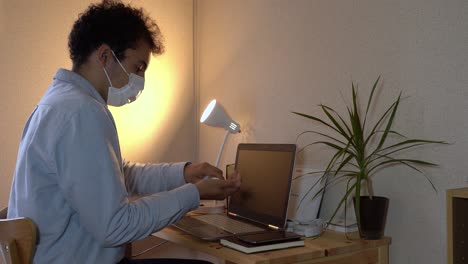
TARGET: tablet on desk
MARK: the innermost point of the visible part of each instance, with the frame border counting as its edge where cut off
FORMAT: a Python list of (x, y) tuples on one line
[(268, 237)]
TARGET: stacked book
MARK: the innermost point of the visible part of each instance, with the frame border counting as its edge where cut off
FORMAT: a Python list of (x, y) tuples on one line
[(246, 247)]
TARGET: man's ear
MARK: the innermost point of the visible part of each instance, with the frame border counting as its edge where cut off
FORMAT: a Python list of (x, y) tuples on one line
[(104, 54)]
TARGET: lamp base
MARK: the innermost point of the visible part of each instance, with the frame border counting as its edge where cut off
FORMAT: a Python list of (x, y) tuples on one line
[(210, 207)]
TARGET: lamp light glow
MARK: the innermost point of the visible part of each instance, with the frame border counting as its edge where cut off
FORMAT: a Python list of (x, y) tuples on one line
[(208, 111)]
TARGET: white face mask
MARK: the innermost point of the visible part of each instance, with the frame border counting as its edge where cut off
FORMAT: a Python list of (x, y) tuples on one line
[(127, 93)]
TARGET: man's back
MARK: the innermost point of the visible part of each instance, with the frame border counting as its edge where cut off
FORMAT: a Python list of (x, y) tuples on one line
[(39, 190)]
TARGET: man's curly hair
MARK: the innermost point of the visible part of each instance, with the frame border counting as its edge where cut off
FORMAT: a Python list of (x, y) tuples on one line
[(113, 23)]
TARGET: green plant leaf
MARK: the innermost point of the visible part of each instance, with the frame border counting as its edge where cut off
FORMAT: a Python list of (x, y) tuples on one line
[(389, 123), (344, 163), (333, 120), (369, 101), (332, 145), (339, 116), (321, 134), (355, 121), (316, 119), (319, 172), (357, 136), (392, 132), (333, 161), (403, 146), (407, 163), (392, 160), (379, 122), (412, 141)]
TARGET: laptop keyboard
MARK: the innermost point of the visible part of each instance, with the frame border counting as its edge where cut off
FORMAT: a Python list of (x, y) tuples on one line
[(200, 229), (228, 224)]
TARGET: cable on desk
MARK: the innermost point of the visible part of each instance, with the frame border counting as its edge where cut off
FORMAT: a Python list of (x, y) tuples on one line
[(148, 249)]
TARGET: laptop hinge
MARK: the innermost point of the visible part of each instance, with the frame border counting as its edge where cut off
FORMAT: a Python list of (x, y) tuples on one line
[(264, 225)]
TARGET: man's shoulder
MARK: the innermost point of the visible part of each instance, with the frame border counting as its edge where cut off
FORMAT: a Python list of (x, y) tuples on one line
[(68, 99), (65, 104)]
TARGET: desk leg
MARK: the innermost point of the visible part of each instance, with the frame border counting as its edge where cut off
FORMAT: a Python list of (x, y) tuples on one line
[(383, 255)]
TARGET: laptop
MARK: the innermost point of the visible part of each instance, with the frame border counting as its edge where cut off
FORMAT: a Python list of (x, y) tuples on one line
[(261, 204)]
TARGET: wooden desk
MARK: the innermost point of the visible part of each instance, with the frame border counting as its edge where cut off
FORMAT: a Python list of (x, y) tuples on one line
[(330, 248)]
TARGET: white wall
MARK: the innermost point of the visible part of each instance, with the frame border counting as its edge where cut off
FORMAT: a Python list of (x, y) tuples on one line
[(34, 37), (262, 59)]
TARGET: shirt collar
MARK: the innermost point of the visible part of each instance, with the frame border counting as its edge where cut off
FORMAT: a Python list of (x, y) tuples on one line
[(79, 81)]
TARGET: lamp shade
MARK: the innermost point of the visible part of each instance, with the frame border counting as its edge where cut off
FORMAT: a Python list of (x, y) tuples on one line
[(214, 115)]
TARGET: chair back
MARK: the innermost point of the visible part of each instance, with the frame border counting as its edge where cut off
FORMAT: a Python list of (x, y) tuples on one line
[(18, 237)]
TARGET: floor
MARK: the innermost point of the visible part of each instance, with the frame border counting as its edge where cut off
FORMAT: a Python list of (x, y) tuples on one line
[(148, 248)]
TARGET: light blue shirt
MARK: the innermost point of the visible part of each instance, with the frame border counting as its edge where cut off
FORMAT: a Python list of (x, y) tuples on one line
[(71, 181)]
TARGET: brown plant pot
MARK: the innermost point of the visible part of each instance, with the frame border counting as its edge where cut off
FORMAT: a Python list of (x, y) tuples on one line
[(373, 216)]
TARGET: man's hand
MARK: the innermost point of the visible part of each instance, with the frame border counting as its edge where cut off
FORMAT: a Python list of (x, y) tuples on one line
[(193, 173), (214, 189)]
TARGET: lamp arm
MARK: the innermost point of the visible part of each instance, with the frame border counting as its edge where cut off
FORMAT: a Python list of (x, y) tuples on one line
[(221, 149)]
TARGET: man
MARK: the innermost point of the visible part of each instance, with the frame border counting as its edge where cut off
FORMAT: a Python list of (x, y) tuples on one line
[(70, 177)]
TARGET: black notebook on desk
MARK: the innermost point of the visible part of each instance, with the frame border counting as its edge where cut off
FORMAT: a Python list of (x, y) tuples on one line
[(235, 243)]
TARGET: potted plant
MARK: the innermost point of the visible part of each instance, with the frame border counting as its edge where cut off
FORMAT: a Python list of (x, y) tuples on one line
[(360, 150)]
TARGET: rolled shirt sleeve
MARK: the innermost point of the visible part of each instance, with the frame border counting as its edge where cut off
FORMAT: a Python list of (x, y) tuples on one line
[(145, 179)]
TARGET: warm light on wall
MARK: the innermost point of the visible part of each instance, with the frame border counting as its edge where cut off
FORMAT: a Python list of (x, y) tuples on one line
[(141, 121)]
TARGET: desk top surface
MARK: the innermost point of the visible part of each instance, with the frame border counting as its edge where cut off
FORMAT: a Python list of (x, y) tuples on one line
[(329, 244)]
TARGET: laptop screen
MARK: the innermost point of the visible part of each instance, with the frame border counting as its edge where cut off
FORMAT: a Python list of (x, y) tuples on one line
[(266, 173)]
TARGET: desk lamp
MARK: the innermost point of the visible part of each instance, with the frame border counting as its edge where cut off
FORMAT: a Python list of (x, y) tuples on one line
[(215, 116)]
